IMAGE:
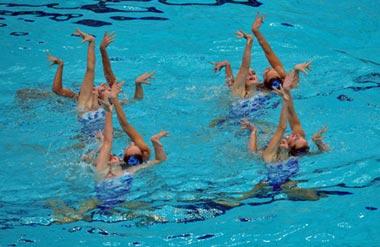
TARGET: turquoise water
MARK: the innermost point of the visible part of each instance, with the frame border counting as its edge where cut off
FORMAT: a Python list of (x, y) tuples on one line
[(40, 164)]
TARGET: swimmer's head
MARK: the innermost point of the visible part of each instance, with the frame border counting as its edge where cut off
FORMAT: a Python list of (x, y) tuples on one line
[(252, 78), (133, 155), (271, 79), (297, 145)]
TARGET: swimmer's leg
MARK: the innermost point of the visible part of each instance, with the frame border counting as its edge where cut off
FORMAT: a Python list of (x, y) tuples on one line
[(62, 213), (88, 81), (217, 122), (295, 193), (234, 202), (57, 82)]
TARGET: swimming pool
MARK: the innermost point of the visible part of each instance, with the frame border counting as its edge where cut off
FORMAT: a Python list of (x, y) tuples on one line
[(177, 40)]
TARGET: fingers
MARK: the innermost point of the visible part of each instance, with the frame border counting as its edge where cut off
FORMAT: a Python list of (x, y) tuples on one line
[(164, 133), (239, 34), (121, 83), (323, 130)]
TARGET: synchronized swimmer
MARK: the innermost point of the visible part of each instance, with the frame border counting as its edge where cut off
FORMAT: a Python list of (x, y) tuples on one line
[(115, 173)]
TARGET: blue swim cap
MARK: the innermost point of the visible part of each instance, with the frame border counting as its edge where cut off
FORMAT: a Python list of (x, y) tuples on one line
[(134, 160), (276, 84)]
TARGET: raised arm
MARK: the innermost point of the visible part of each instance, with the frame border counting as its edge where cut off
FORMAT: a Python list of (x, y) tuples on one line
[(230, 80), (252, 144), (160, 154), (241, 77), (107, 69), (130, 130), (292, 78), (318, 140), (57, 82), (142, 79), (293, 119), (159, 151), (106, 147), (274, 144), (270, 55)]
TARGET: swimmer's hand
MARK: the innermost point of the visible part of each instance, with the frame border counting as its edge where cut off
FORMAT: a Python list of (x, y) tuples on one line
[(240, 34), (54, 60), (109, 95), (116, 89), (284, 144), (219, 65), (257, 23), (283, 92), (303, 67), (85, 37), (156, 138), (245, 124), (318, 139), (107, 39), (144, 78)]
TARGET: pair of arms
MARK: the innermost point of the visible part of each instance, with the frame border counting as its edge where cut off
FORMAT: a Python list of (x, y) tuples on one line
[(111, 79), (238, 85), (109, 75), (102, 162), (291, 78), (88, 81), (287, 114), (269, 154)]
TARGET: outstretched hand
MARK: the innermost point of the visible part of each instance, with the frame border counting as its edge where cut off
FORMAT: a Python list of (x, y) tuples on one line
[(303, 67), (240, 34), (258, 22), (85, 37), (282, 92), (245, 124), (107, 39), (318, 137), (157, 137), (116, 89), (219, 65), (284, 144), (54, 60), (144, 78), (106, 102)]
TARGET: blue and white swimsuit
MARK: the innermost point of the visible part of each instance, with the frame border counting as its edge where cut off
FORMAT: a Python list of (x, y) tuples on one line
[(92, 122), (280, 173), (251, 107), (113, 191)]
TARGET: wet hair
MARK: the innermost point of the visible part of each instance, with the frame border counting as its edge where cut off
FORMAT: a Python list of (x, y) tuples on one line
[(274, 82), (299, 151)]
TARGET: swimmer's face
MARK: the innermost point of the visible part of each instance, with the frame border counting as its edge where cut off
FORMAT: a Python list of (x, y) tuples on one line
[(270, 73), (296, 141), (252, 77), (132, 149)]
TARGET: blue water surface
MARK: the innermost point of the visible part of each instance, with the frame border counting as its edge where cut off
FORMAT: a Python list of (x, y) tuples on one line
[(40, 158)]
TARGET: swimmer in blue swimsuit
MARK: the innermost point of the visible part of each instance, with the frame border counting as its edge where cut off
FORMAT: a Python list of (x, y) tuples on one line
[(115, 175), (252, 104), (279, 156)]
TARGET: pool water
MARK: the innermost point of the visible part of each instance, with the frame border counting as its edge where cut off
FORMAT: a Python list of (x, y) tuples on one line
[(177, 39)]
